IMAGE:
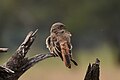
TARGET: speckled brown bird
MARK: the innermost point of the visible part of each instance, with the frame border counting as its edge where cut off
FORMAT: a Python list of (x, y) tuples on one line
[(59, 43)]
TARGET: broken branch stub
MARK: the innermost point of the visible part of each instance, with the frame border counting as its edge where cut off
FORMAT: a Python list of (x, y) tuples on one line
[(3, 50), (93, 71), (18, 59), (18, 62)]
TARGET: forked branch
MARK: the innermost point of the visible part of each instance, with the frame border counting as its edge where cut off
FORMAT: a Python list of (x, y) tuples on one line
[(19, 63)]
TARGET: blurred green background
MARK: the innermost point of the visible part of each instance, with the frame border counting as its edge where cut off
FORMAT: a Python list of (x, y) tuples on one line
[(95, 28)]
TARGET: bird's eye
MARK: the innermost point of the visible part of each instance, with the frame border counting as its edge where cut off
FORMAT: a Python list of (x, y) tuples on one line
[(62, 31)]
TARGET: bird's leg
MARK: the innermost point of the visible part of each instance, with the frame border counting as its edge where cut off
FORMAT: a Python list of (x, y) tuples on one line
[(53, 53)]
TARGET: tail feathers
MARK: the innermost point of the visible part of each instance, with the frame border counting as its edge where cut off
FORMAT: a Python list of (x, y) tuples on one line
[(75, 63), (67, 61)]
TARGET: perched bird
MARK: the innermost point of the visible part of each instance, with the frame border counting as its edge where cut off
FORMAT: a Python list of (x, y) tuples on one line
[(59, 43)]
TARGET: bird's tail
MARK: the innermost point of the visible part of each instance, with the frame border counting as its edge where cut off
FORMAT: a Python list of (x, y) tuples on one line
[(65, 54), (66, 60)]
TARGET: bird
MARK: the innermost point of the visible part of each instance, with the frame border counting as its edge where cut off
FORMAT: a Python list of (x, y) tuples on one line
[(59, 43)]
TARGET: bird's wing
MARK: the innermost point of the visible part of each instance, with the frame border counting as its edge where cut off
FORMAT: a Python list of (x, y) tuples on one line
[(57, 49), (49, 44), (70, 48), (54, 46), (68, 39)]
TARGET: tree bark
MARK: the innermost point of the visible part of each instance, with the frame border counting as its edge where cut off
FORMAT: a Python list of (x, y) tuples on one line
[(93, 71), (3, 50), (19, 63)]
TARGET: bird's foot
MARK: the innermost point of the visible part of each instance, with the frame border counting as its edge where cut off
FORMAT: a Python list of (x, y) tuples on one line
[(55, 55)]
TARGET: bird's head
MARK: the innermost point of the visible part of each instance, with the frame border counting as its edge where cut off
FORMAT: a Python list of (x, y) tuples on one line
[(56, 27)]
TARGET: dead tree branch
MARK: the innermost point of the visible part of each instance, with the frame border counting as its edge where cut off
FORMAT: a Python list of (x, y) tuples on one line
[(93, 71), (19, 63), (3, 49)]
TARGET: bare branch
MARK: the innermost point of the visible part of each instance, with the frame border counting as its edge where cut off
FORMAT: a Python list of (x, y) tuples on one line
[(16, 61), (32, 61), (3, 49), (19, 63), (93, 71)]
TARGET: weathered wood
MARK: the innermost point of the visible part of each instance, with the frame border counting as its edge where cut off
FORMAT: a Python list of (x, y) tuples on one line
[(93, 71), (3, 49), (18, 59), (19, 63)]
